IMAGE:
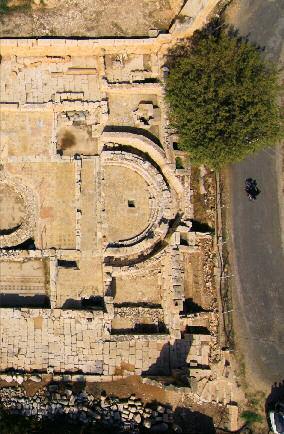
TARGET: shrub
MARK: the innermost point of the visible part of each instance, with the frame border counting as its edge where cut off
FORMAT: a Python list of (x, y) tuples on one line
[(250, 417), (179, 163), (4, 6)]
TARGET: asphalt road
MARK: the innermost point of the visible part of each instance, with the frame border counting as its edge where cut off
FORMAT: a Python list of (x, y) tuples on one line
[(256, 228)]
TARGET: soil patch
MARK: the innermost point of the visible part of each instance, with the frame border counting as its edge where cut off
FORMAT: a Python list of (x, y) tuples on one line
[(203, 199)]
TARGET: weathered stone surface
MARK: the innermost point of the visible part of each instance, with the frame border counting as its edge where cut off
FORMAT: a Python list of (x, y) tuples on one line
[(92, 203)]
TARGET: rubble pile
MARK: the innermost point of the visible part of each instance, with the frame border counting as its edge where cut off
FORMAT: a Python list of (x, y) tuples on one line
[(128, 414)]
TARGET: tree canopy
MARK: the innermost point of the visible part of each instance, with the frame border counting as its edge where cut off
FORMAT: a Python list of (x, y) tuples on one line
[(222, 97)]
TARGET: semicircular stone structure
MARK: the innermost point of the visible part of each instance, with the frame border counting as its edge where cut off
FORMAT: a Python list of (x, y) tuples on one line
[(137, 204), (17, 212), (12, 209), (147, 147)]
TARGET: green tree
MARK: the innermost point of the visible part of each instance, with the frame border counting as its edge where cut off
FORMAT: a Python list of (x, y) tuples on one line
[(222, 97)]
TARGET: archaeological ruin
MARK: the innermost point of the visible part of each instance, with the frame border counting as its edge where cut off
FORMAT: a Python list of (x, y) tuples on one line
[(99, 260)]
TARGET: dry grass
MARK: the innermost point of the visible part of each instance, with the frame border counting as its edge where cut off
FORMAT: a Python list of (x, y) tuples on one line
[(203, 204)]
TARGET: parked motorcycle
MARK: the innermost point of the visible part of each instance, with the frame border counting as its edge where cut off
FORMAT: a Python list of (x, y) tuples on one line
[(251, 189)]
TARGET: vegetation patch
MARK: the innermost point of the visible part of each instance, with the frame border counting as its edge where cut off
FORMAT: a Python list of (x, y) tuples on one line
[(250, 417), (222, 96), (7, 6), (4, 8), (179, 163)]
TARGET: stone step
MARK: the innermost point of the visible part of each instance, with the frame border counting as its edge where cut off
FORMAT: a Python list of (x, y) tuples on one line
[(218, 392)]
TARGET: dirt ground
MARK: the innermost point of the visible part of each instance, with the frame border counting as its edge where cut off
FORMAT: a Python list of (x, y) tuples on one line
[(203, 199), (87, 18)]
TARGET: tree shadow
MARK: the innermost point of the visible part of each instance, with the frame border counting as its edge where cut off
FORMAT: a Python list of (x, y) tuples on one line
[(194, 422), (212, 29), (234, 32)]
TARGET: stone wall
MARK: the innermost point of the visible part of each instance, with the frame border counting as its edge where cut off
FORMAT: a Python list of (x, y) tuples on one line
[(26, 228), (72, 341)]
